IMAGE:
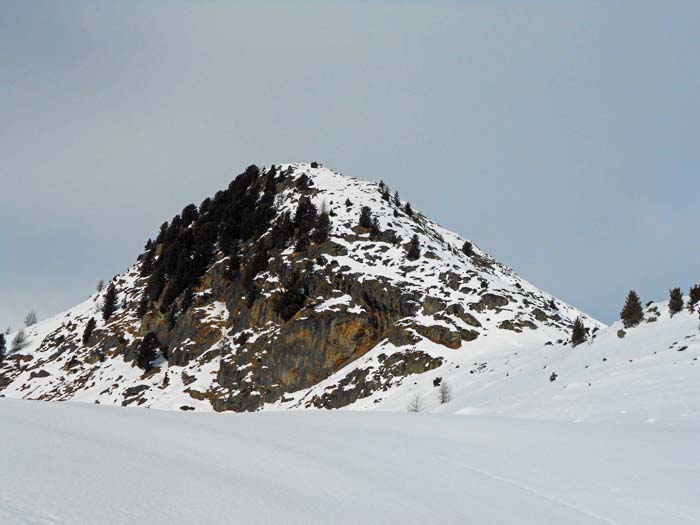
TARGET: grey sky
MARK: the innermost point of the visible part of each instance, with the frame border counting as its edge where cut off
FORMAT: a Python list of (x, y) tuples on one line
[(560, 136)]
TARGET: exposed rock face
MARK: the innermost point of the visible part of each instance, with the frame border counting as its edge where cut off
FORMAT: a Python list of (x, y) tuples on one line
[(301, 309), (362, 382), (489, 301)]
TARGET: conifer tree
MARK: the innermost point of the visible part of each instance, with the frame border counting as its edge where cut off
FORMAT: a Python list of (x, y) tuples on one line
[(675, 302), (578, 332), (303, 182), (189, 215), (301, 244), (19, 341), (305, 217), (146, 267), (3, 348), (374, 230), (30, 319), (467, 248), (385, 194), (408, 209), (162, 232), (413, 249), (293, 297), (233, 266), (366, 217), (282, 232), (89, 327), (632, 313), (693, 297), (156, 283), (110, 302), (323, 227), (147, 352), (257, 263), (397, 199)]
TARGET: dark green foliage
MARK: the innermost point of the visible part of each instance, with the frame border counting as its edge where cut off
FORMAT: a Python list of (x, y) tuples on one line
[(302, 244), (188, 244), (374, 230), (675, 302), (348, 203), (305, 219), (189, 215), (305, 216), (257, 263), (205, 206), (156, 283), (173, 230), (110, 302), (385, 194), (282, 232), (632, 313), (89, 327), (314, 164), (147, 352), (408, 209), (161, 234), (413, 249), (251, 173), (148, 262), (366, 217), (3, 348), (303, 182), (578, 332), (293, 297), (693, 296), (397, 199), (264, 210), (233, 265), (323, 227), (467, 248)]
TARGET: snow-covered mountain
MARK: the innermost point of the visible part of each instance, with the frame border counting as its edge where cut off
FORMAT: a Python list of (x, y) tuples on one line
[(245, 303)]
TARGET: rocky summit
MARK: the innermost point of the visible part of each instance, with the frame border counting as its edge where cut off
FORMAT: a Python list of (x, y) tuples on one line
[(295, 287)]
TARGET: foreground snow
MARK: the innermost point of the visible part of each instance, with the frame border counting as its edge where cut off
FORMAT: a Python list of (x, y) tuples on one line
[(79, 463)]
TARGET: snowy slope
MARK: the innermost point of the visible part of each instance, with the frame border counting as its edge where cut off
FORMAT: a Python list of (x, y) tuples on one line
[(79, 464), (652, 374), (492, 336)]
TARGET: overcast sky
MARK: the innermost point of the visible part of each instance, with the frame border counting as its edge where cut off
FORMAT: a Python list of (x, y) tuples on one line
[(562, 137)]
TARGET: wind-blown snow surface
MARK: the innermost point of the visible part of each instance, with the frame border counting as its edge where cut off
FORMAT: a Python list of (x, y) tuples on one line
[(79, 463)]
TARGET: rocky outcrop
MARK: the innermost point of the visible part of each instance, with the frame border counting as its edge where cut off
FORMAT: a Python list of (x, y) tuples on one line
[(363, 382)]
